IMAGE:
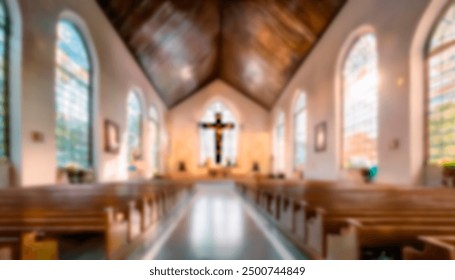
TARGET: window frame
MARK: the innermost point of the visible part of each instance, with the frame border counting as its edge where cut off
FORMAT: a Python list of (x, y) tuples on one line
[(7, 85), (155, 151), (428, 55), (90, 89), (342, 79), (138, 96), (296, 114), (280, 125)]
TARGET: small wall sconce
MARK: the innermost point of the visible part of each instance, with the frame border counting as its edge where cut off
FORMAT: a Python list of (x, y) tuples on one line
[(37, 137), (400, 81), (394, 144)]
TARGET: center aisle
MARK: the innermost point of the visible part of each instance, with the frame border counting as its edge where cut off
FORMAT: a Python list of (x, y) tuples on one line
[(219, 224)]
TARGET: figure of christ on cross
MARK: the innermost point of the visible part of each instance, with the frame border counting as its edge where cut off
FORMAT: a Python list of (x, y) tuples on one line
[(219, 127)]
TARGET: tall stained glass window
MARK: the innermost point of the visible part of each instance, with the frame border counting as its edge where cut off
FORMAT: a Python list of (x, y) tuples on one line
[(155, 139), (300, 130), (4, 45), (207, 136), (441, 91), (280, 145), (73, 97), (360, 89), (134, 117)]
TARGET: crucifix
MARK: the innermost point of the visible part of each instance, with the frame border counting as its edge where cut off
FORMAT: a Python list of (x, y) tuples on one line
[(219, 127)]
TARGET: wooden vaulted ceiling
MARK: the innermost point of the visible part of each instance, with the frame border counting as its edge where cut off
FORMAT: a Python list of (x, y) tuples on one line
[(254, 45)]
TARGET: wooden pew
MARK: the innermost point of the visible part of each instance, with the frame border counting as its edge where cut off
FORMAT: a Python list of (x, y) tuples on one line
[(120, 212), (285, 200), (317, 226), (323, 223), (310, 213), (433, 248), (71, 196), (28, 247), (360, 234), (115, 231), (126, 209)]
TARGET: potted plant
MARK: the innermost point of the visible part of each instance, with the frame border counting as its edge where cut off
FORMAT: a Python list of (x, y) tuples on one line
[(448, 173), (75, 173), (369, 173)]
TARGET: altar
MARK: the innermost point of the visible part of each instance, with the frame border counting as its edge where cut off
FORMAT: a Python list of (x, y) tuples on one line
[(220, 171)]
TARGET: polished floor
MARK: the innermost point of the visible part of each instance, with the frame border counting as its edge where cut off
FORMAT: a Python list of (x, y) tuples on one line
[(218, 224)]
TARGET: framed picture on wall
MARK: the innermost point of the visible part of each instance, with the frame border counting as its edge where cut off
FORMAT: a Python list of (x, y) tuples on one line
[(321, 137), (111, 137)]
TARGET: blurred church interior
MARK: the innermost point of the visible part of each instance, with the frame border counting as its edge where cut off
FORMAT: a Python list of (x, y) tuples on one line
[(227, 129)]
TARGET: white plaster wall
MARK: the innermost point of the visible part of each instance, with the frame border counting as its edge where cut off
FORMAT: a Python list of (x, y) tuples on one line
[(395, 23), (254, 140), (116, 74)]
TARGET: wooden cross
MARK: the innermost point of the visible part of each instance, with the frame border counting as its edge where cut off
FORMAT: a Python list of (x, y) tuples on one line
[(219, 127)]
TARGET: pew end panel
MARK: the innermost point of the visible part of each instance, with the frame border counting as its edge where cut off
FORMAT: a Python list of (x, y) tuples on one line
[(34, 247), (146, 213), (313, 229), (116, 234), (276, 207), (434, 248), (155, 208), (6, 252), (263, 200), (286, 213), (134, 219), (344, 246), (298, 222), (9, 248)]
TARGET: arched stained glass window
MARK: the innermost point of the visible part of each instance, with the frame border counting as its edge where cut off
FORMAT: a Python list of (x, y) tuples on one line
[(300, 130), (441, 91), (280, 145), (155, 139), (73, 97), (4, 46), (135, 133), (360, 89), (207, 136)]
